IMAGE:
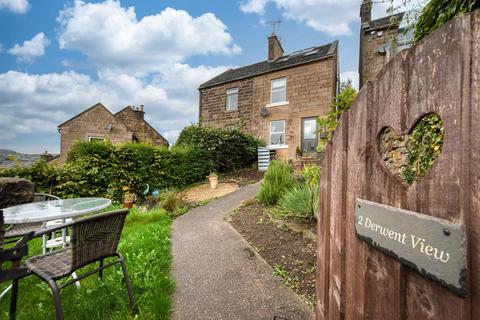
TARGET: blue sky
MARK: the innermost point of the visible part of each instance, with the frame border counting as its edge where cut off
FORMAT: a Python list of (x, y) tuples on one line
[(60, 58)]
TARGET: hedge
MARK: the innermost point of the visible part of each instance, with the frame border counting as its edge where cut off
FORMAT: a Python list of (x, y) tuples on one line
[(229, 149), (103, 169)]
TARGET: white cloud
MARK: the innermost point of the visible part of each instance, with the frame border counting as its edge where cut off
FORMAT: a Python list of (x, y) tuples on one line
[(31, 49), (254, 6), (17, 6), (33, 104), (350, 75), (328, 16), (113, 38)]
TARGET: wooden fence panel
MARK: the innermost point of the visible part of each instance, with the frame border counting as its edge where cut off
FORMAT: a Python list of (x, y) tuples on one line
[(355, 281)]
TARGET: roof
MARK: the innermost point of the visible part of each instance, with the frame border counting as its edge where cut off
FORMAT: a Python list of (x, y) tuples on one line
[(296, 58), (85, 111), (385, 22), (148, 124)]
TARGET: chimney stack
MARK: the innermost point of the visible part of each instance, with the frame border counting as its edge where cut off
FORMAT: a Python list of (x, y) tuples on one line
[(275, 49), (139, 111), (366, 12)]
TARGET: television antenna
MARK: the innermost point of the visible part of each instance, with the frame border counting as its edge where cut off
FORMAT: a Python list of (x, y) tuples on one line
[(275, 24)]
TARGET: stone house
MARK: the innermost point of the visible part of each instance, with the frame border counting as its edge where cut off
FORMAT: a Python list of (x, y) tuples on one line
[(98, 123), (277, 100), (380, 40)]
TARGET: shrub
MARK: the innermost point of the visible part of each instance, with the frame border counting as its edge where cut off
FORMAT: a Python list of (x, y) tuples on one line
[(172, 202), (102, 169), (301, 200), (228, 149), (278, 178), (311, 174)]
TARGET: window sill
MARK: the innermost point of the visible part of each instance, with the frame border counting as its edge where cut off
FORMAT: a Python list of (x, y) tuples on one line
[(275, 147), (231, 110), (277, 104)]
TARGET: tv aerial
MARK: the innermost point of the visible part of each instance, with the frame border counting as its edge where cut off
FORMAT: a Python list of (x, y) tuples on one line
[(275, 24)]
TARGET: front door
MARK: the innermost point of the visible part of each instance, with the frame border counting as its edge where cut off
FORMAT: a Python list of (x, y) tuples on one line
[(309, 135)]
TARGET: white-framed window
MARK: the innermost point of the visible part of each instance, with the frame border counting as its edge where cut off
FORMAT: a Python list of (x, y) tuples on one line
[(90, 139), (232, 99), (277, 133), (278, 91)]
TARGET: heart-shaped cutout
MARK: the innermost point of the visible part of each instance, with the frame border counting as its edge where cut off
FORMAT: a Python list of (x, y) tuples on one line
[(410, 156)]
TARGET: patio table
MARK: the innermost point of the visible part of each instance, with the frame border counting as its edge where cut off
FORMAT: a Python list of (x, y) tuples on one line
[(44, 211), (52, 210)]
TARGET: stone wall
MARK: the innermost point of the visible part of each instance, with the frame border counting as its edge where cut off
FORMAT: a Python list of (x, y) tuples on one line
[(213, 101), (371, 61), (133, 119), (15, 191), (93, 123), (393, 150), (310, 90)]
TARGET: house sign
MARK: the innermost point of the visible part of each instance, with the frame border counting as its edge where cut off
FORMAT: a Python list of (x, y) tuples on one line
[(434, 247)]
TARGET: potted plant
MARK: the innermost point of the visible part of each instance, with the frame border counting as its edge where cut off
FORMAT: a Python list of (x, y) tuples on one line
[(128, 198), (213, 179)]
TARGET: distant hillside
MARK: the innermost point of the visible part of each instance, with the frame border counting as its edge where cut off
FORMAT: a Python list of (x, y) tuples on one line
[(24, 159)]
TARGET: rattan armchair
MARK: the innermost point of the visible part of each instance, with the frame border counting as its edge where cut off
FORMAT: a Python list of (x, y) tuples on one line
[(13, 256), (93, 239)]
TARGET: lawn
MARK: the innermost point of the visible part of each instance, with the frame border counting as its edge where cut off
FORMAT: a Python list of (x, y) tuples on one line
[(146, 246)]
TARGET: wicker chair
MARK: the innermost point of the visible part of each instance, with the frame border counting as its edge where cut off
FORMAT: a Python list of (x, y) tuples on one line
[(13, 255), (21, 229), (93, 238)]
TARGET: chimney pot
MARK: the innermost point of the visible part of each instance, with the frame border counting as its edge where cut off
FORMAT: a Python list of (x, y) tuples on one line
[(141, 107)]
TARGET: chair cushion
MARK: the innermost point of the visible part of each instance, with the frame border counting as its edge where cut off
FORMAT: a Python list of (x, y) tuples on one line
[(53, 265)]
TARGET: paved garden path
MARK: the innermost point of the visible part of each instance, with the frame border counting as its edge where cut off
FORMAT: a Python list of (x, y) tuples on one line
[(218, 275)]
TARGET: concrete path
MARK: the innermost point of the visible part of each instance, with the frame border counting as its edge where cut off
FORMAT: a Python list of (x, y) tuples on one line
[(219, 276)]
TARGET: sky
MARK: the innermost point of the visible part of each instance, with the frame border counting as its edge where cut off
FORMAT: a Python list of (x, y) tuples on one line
[(58, 58)]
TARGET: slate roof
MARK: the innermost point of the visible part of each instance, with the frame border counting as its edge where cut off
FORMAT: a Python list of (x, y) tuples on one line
[(385, 22), (287, 61)]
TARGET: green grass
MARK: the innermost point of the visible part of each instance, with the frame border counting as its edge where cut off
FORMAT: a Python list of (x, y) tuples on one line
[(146, 246)]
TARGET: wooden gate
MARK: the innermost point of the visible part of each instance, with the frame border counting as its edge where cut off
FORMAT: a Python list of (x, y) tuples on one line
[(354, 280)]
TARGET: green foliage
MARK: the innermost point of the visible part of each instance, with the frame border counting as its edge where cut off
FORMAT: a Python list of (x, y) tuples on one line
[(301, 200), (438, 12), (327, 125), (278, 179), (146, 246), (102, 169), (228, 149), (172, 202), (424, 145), (311, 174)]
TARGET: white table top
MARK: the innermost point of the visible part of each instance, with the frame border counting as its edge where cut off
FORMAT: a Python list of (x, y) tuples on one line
[(52, 210)]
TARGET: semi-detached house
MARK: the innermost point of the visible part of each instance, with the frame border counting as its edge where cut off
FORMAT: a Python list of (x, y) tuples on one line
[(277, 100)]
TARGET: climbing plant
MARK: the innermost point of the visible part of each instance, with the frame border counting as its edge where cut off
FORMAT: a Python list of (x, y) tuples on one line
[(424, 145), (343, 101), (437, 12)]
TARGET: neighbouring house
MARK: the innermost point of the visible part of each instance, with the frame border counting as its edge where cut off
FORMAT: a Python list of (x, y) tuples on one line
[(98, 123), (277, 100), (380, 40)]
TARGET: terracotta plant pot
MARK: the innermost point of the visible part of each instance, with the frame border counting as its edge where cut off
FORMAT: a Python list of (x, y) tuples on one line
[(128, 204), (213, 179)]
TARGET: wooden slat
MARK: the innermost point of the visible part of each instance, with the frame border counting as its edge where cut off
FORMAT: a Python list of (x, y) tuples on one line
[(323, 240), (354, 280), (474, 223), (357, 179), (337, 219)]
